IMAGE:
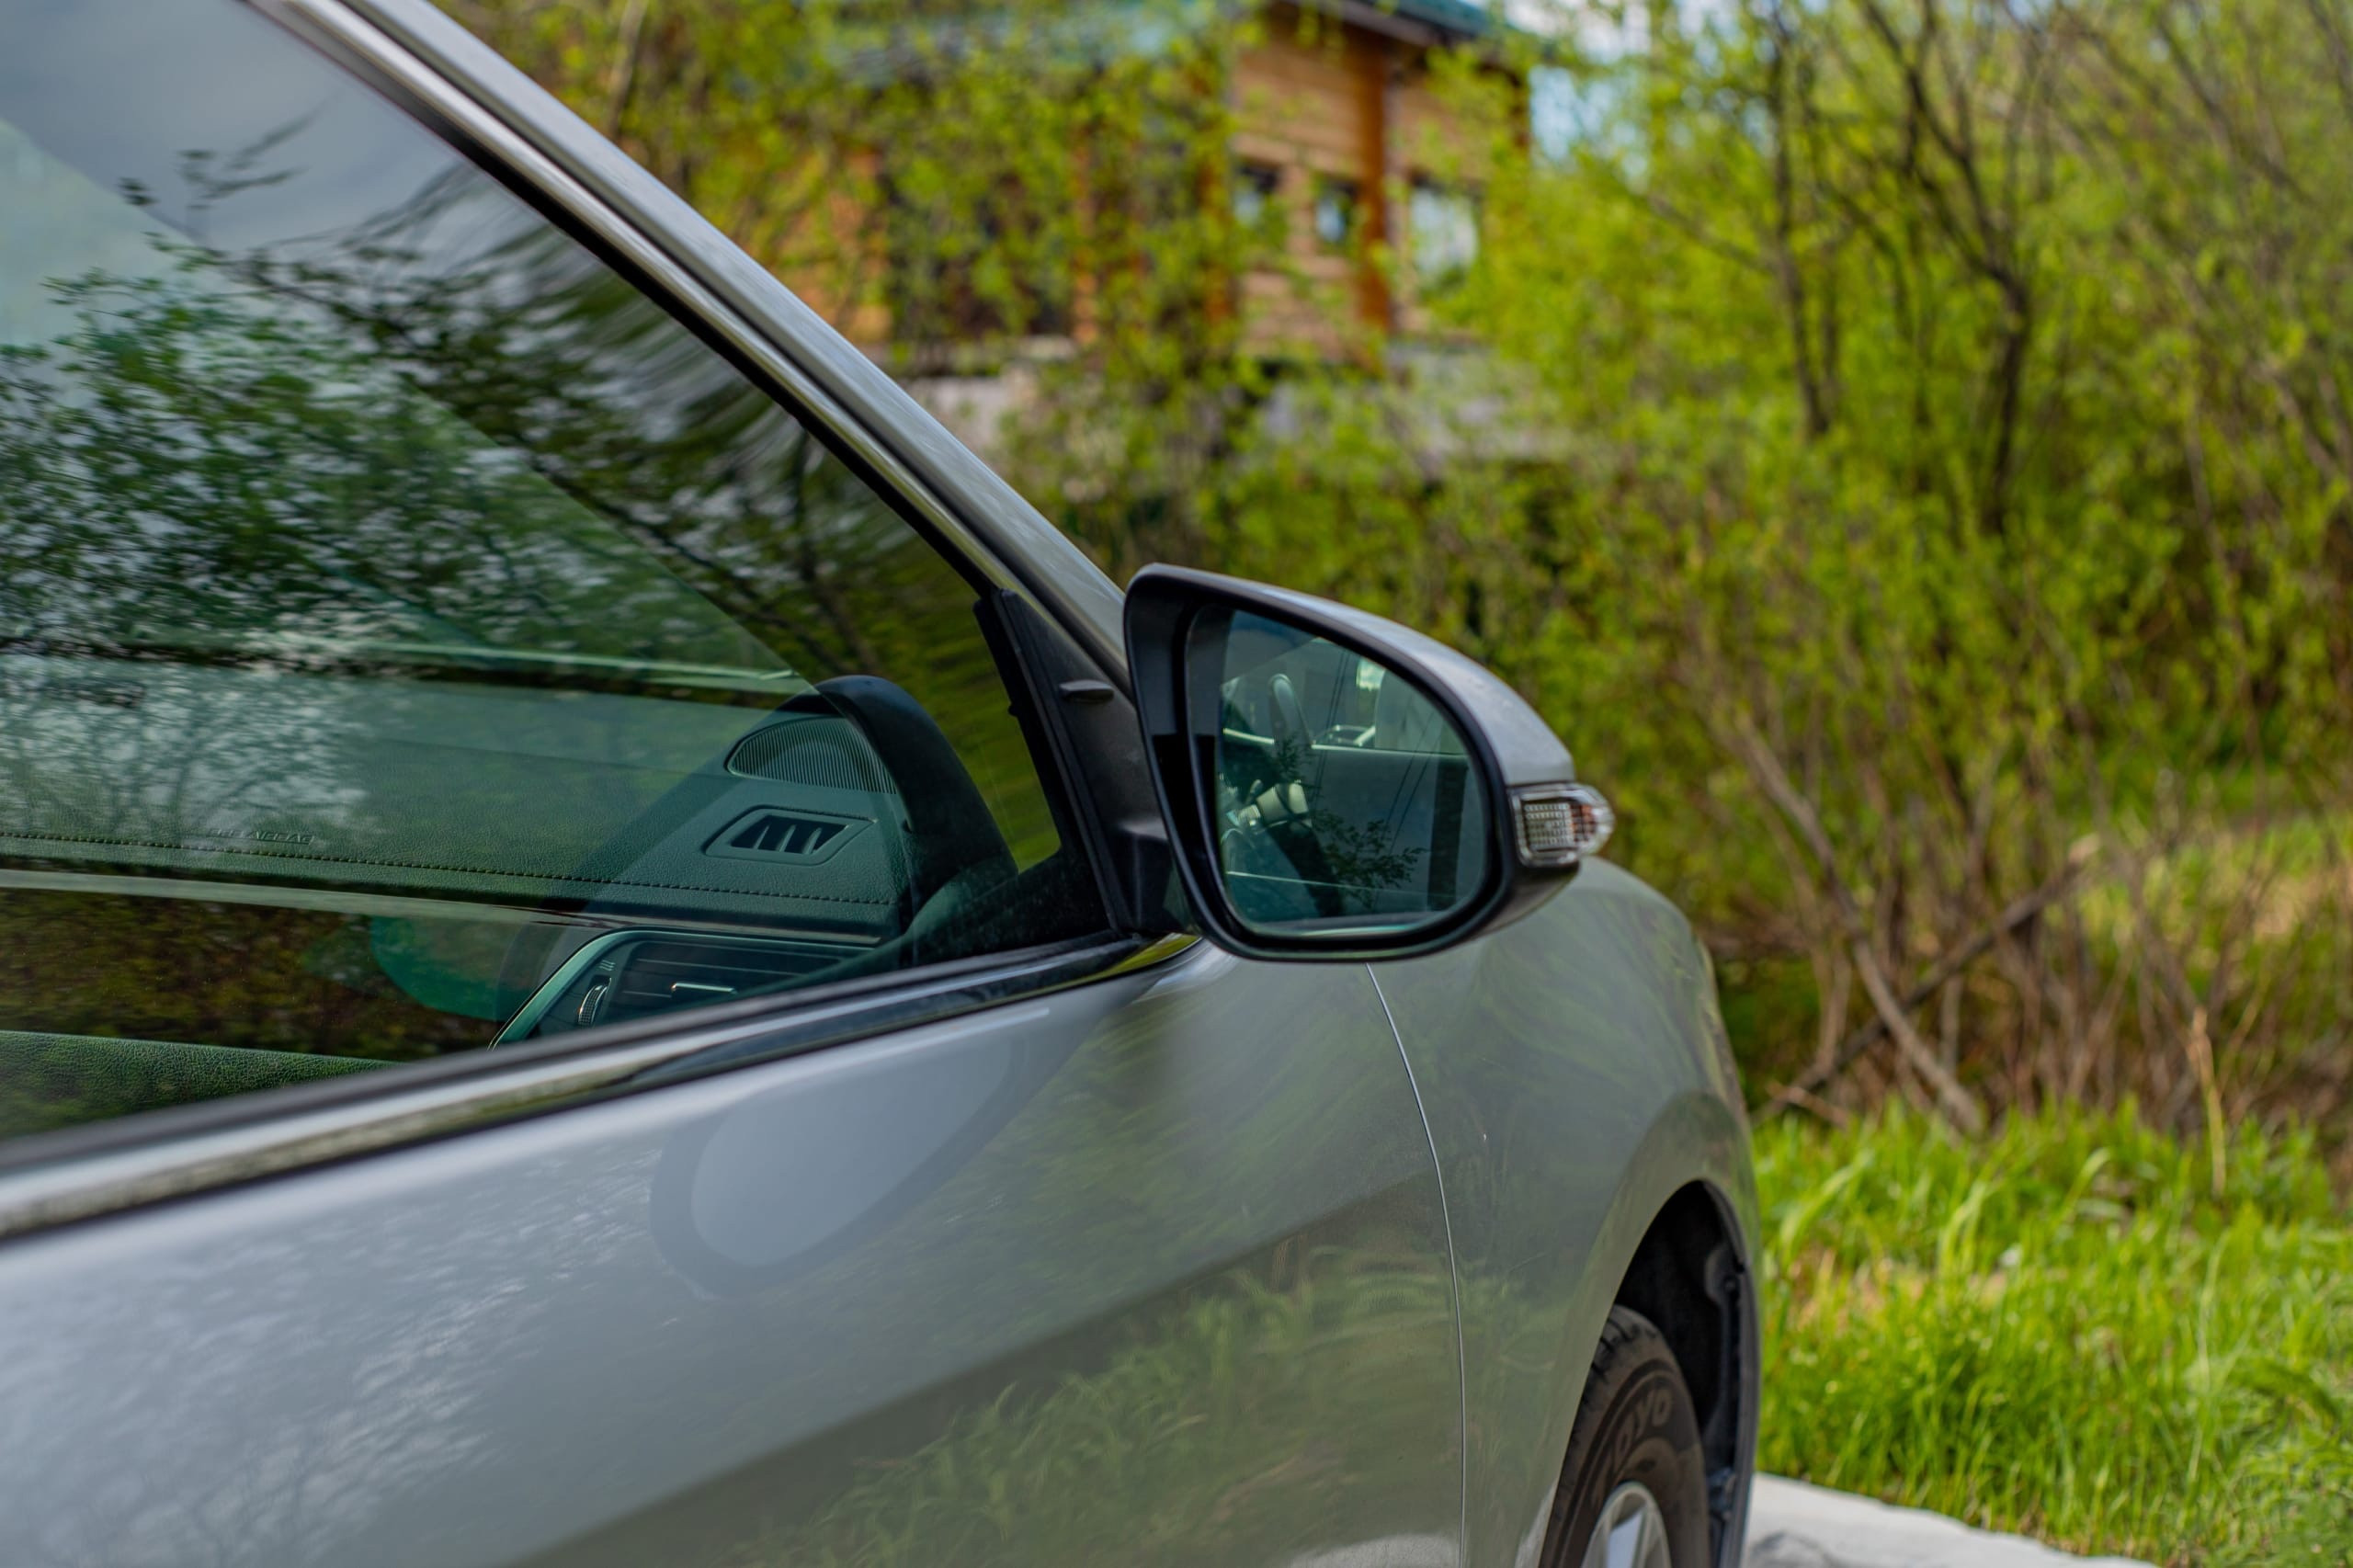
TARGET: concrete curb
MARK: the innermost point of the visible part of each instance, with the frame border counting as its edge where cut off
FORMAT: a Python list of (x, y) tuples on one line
[(1793, 1525)]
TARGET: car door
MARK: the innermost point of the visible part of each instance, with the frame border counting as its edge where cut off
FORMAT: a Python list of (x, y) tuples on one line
[(558, 1000)]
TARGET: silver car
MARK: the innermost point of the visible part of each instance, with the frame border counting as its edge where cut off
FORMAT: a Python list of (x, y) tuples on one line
[(611, 953)]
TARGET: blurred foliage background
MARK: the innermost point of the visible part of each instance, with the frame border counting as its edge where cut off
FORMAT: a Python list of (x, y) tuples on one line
[(1904, 447)]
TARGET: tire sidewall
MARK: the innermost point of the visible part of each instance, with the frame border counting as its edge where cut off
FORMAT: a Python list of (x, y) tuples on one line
[(1637, 1425)]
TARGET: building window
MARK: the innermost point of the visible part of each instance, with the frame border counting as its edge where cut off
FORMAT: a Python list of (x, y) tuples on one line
[(1442, 227), (1336, 212), (1256, 188)]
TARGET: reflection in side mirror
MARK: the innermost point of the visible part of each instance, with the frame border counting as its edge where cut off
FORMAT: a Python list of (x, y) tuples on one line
[(1343, 799), (1338, 787)]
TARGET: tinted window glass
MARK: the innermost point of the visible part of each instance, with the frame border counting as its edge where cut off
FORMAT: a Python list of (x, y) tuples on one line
[(410, 636)]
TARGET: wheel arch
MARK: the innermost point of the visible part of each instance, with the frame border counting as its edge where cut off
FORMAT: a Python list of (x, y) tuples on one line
[(1690, 1275), (1678, 1246)]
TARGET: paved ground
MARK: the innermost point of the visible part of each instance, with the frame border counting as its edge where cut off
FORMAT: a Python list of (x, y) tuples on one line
[(1791, 1525)]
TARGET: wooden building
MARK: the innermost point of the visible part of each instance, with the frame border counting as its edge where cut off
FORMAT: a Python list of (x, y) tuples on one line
[(1342, 136), (1359, 189)]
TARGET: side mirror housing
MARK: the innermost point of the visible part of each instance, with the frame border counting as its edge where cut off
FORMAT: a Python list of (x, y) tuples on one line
[(1338, 787)]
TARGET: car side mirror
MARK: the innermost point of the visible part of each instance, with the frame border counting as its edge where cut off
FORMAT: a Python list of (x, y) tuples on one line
[(1336, 786)]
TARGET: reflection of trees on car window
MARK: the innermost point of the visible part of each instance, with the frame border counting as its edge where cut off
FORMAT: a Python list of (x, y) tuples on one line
[(364, 438), (1364, 858), (446, 426)]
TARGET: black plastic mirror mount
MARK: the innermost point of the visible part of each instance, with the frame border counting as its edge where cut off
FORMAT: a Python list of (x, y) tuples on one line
[(1539, 822)]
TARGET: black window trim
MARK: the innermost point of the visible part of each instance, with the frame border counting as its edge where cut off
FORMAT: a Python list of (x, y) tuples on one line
[(85, 1173)]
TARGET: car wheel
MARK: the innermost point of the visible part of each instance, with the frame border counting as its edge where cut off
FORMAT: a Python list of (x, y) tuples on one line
[(1634, 1491)]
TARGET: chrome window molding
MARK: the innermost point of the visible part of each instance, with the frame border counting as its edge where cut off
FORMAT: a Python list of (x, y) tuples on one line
[(433, 64), (56, 1178)]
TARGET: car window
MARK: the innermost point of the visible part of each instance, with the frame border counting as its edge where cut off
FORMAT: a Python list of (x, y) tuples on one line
[(412, 638)]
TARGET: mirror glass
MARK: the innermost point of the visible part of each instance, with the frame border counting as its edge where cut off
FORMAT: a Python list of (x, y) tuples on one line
[(1345, 799)]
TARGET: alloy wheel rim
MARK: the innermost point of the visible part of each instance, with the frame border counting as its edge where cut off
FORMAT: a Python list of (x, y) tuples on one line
[(1631, 1532)]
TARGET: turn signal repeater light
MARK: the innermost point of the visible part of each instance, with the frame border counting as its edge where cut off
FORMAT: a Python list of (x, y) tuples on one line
[(1558, 825)]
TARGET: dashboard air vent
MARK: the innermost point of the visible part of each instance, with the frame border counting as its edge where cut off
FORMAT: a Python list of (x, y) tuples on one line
[(772, 835)]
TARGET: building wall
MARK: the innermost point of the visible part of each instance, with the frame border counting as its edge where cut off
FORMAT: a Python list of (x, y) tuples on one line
[(1320, 99), (1315, 99), (1312, 104), (1427, 141)]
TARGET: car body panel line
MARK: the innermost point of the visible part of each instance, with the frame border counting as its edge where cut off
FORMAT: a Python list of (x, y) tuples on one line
[(1572, 1070), (1462, 1370)]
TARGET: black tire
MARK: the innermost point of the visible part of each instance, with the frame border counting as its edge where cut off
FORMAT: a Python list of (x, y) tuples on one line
[(1634, 1424)]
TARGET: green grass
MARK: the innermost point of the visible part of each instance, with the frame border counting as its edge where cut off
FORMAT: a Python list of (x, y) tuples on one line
[(2065, 1331)]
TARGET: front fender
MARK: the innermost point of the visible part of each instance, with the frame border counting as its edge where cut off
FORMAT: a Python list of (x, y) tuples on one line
[(1574, 1076)]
